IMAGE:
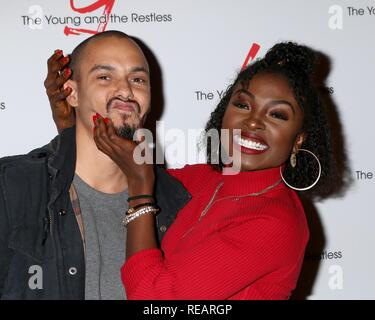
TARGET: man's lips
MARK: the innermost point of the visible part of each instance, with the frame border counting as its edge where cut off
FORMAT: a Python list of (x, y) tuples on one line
[(250, 142), (124, 105)]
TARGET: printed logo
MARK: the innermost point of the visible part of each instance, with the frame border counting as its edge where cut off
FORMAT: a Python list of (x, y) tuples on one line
[(89, 19), (36, 280), (251, 55), (364, 175), (201, 95), (336, 281), (107, 6), (335, 22)]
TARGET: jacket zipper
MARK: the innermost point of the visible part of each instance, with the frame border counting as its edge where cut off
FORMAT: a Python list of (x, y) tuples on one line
[(50, 222)]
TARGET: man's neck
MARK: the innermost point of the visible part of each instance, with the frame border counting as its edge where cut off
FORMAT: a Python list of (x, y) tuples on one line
[(96, 168)]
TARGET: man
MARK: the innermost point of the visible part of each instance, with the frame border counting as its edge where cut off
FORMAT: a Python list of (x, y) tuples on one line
[(61, 205)]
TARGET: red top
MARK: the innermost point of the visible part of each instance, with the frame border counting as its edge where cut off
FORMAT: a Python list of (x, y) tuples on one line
[(249, 247)]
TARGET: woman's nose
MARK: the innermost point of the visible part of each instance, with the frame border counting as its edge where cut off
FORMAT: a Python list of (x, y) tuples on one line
[(255, 122)]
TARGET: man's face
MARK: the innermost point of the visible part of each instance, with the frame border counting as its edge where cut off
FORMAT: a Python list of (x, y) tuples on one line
[(112, 80)]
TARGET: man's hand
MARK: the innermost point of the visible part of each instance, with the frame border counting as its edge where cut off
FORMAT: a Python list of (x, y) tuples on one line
[(58, 74)]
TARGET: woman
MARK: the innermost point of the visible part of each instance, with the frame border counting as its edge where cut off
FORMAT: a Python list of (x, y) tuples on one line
[(242, 236)]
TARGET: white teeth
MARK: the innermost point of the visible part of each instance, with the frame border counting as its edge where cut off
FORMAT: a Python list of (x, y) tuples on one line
[(249, 143)]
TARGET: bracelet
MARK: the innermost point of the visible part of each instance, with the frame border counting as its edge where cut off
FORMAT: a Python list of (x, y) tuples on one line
[(132, 209), (140, 197), (137, 214)]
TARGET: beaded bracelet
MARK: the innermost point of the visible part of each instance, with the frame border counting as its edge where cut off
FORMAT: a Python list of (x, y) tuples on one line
[(145, 210), (132, 209)]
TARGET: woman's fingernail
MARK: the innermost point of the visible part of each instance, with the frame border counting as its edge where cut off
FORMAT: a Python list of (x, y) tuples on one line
[(106, 120), (94, 117), (67, 72), (64, 59), (58, 52)]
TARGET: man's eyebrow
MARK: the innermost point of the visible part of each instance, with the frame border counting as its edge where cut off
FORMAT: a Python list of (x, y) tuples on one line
[(112, 68), (101, 67), (139, 69)]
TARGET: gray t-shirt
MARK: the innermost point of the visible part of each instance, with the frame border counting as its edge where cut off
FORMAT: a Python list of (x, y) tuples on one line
[(105, 239)]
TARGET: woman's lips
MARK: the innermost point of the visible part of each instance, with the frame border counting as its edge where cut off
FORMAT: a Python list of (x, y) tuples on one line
[(250, 143)]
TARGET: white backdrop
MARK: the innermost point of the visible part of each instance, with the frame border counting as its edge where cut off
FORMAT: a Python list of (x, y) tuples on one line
[(200, 45)]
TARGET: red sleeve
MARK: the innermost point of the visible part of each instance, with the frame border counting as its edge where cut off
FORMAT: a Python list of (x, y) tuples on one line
[(217, 267)]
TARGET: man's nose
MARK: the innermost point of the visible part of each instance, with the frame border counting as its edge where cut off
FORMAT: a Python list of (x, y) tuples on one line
[(124, 89)]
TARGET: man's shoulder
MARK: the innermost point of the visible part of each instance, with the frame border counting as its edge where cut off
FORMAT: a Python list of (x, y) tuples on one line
[(38, 155), (170, 190), (34, 157)]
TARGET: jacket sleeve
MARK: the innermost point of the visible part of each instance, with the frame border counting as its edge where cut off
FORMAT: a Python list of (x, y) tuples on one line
[(5, 252), (217, 267)]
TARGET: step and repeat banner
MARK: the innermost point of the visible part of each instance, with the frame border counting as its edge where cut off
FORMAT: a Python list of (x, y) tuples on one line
[(198, 47)]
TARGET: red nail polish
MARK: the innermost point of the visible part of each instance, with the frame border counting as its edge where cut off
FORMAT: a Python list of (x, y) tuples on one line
[(94, 117), (64, 60), (106, 120), (58, 52), (67, 72)]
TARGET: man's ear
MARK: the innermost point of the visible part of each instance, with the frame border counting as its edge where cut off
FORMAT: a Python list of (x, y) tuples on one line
[(73, 97)]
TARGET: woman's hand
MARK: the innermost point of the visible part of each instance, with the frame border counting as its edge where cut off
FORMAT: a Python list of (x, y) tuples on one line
[(58, 74), (140, 176)]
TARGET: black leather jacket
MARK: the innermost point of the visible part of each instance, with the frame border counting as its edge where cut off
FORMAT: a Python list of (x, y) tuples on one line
[(38, 229)]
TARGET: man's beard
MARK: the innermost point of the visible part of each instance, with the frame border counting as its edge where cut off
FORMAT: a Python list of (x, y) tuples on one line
[(126, 131)]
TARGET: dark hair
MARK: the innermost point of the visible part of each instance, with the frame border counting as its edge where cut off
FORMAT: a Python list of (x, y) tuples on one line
[(76, 54), (296, 63)]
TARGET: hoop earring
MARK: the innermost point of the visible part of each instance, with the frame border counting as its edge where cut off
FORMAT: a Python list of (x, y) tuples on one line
[(315, 182)]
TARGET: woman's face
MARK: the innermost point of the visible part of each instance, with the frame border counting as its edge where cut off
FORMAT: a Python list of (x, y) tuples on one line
[(270, 121)]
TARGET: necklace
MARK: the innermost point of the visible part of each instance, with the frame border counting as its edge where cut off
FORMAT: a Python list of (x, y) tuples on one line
[(212, 200), (254, 194)]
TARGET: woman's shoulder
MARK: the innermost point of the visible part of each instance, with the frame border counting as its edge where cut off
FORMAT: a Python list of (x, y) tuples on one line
[(285, 206), (194, 175), (280, 205)]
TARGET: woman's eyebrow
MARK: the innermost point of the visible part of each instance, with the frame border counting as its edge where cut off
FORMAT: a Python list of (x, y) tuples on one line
[(245, 92), (276, 102)]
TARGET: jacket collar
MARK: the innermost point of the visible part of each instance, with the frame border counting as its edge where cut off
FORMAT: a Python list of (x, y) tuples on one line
[(62, 161)]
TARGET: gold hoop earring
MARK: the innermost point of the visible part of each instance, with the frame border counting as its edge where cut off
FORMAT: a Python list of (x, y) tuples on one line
[(293, 159), (315, 182)]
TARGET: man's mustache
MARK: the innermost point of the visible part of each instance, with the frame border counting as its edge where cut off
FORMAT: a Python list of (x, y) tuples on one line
[(133, 102)]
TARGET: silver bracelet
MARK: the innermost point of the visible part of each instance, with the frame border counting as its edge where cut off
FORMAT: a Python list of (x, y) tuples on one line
[(144, 210)]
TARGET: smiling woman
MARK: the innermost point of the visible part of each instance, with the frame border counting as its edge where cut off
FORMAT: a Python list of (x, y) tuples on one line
[(276, 103), (243, 235)]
